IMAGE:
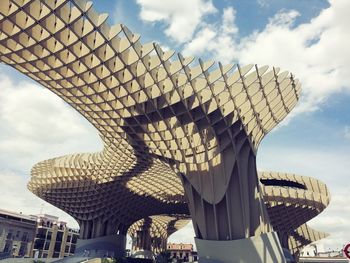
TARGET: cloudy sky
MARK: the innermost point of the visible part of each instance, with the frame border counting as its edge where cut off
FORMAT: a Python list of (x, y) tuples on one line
[(310, 38)]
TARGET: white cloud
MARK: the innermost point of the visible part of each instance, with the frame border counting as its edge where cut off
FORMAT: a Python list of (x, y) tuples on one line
[(329, 167), (37, 125), (228, 21), (335, 221), (182, 17), (218, 40), (283, 19), (316, 52), (23, 106), (15, 197), (200, 42)]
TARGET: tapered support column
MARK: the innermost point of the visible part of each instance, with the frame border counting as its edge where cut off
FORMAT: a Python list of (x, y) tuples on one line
[(151, 233), (226, 205), (143, 241), (159, 244), (142, 237)]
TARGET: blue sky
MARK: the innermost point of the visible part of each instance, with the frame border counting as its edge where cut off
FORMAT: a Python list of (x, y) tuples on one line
[(251, 15), (308, 37)]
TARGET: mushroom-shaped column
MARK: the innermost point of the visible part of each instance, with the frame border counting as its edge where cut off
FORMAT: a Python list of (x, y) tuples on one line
[(105, 197), (216, 147), (151, 233), (141, 236), (207, 124)]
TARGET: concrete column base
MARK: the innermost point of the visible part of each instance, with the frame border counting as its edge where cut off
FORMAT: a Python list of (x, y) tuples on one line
[(113, 245), (265, 248), (146, 254)]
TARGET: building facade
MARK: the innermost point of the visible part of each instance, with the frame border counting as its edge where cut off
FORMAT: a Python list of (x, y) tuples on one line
[(17, 232), (183, 252), (54, 239), (40, 236)]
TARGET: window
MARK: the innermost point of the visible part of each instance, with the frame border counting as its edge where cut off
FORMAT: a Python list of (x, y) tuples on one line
[(22, 250), (47, 245), (9, 234), (18, 232), (72, 248), (25, 237), (41, 233), (49, 234), (59, 236), (8, 246), (57, 246), (74, 239), (39, 243)]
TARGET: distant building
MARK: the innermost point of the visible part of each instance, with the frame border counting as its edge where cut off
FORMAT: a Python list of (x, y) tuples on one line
[(17, 233), (183, 252), (315, 253), (41, 236), (317, 250), (53, 238)]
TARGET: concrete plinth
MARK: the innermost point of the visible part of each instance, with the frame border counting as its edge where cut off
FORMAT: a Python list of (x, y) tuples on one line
[(143, 254), (113, 245), (258, 249)]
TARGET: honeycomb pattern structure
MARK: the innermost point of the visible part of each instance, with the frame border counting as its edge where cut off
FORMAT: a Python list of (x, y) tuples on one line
[(176, 132)]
